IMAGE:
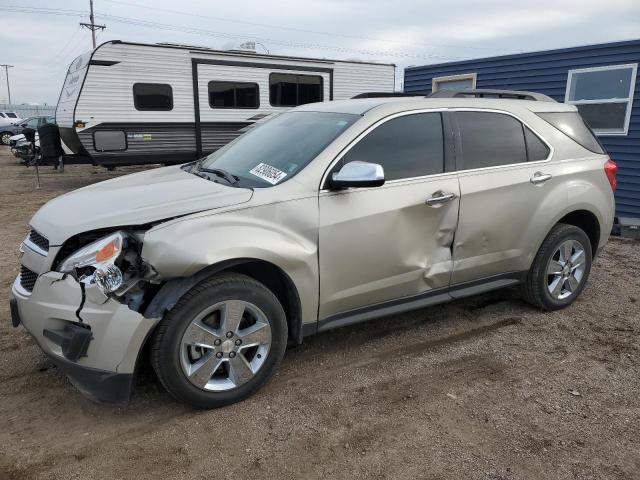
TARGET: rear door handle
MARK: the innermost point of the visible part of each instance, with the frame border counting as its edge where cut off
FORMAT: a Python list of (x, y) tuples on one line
[(540, 177), (439, 197)]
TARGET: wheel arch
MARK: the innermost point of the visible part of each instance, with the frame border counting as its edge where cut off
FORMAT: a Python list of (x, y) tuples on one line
[(580, 216), (267, 273), (586, 221)]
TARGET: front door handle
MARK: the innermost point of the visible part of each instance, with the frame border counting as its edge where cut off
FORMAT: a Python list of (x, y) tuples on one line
[(439, 197), (540, 177)]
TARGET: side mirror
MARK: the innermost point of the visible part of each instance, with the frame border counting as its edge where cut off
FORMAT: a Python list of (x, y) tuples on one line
[(358, 174)]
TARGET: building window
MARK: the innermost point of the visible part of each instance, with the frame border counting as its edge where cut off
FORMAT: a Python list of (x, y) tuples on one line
[(233, 95), (290, 90), (152, 96), (454, 82), (603, 96)]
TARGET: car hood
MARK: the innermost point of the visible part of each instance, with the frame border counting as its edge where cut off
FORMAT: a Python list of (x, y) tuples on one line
[(134, 199)]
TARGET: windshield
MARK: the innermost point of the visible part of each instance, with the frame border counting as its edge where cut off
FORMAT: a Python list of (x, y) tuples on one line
[(275, 151)]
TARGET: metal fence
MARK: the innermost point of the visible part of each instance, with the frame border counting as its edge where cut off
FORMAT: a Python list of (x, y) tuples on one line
[(25, 111)]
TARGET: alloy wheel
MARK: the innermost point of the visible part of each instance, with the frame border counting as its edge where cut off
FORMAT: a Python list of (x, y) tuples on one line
[(225, 345), (565, 271)]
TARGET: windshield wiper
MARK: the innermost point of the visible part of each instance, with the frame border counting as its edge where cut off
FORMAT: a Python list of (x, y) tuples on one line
[(229, 177)]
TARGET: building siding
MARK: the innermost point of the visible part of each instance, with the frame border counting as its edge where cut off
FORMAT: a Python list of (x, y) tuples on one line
[(547, 72)]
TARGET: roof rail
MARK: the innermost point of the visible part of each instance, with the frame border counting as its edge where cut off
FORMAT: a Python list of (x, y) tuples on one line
[(487, 93), (386, 94)]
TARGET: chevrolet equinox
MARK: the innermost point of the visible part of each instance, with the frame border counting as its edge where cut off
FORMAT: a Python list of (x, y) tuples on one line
[(327, 215)]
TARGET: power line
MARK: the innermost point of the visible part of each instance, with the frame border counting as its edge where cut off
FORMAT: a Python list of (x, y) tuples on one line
[(48, 11), (55, 57), (316, 46), (209, 33), (294, 29)]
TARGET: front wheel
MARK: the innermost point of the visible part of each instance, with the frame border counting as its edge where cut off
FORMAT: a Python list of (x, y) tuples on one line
[(4, 137), (560, 269), (221, 342)]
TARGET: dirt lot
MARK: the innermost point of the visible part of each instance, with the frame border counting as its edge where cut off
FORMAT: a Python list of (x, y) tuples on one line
[(484, 388)]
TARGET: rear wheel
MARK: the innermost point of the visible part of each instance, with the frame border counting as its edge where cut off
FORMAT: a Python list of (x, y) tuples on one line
[(221, 342), (4, 137), (560, 269)]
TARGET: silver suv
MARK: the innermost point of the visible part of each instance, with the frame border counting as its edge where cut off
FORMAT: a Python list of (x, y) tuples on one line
[(328, 215)]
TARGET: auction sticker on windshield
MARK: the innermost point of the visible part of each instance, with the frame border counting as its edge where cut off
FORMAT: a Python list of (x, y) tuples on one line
[(268, 173)]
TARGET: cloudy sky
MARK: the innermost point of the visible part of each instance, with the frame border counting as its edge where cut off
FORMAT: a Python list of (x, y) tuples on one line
[(42, 37)]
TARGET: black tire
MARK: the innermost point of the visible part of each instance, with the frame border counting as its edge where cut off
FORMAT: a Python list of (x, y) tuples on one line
[(534, 288), (4, 137), (166, 343)]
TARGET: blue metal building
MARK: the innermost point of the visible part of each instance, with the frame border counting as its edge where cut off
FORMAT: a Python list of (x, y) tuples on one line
[(599, 79)]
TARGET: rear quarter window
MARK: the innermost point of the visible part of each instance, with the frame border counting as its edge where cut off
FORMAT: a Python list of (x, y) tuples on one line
[(574, 127)]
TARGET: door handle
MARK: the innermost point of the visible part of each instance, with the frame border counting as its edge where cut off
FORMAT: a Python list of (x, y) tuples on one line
[(540, 177), (439, 197)]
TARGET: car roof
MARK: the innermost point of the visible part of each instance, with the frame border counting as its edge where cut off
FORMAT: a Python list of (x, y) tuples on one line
[(399, 104)]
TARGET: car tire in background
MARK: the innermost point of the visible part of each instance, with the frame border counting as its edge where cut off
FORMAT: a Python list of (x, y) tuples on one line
[(221, 342), (4, 137), (560, 269)]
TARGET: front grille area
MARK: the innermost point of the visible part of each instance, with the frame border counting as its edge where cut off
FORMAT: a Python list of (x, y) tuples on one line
[(39, 240), (27, 278)]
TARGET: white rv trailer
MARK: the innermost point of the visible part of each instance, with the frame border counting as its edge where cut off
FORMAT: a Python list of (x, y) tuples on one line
[(129, 103)]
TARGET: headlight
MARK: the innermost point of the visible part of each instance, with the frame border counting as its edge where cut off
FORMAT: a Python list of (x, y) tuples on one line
[(102, 256)]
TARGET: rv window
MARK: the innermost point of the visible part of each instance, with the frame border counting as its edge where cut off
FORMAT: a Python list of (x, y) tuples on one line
[(152, 96), (288, 90), (233, 95)]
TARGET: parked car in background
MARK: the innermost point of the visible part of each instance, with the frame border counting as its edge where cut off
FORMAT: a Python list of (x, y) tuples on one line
[(7, 131), (327, 215), (8, 117), (20, 147)]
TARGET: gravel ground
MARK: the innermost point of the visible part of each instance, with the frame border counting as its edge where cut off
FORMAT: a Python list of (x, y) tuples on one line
[(486, 388)]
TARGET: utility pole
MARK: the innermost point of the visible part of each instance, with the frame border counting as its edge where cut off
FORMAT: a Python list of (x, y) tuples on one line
[(6, 72), (92, 26)]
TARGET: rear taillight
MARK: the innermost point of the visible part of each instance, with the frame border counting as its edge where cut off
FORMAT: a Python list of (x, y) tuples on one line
[(610, 170)]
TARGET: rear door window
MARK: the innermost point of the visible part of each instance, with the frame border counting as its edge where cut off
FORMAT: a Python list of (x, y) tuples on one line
[(407, 146), (11, 115), (490, 139)]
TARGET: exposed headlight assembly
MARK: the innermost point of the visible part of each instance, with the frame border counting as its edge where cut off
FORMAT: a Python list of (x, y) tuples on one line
[(100, 262)]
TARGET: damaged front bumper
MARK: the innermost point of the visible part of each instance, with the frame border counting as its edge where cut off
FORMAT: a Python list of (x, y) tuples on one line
[(95, 342)]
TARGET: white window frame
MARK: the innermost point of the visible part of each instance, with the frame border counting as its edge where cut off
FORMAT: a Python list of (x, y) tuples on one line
[(628, 100), (435, 81)]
